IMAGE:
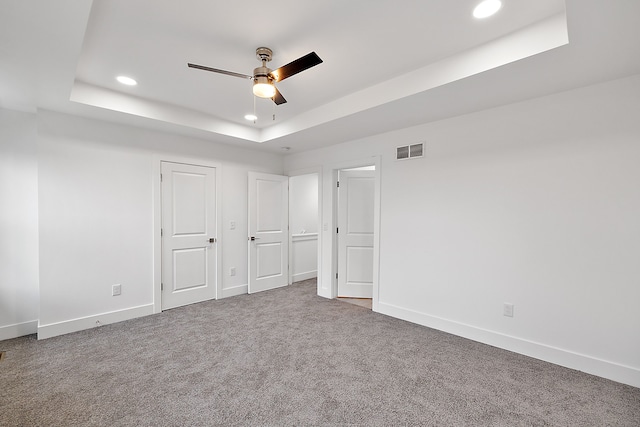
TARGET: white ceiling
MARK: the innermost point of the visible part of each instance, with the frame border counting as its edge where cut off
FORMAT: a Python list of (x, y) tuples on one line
[(385, 66)]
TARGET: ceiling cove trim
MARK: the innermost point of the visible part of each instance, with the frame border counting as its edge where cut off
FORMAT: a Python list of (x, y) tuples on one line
[(537, 38)]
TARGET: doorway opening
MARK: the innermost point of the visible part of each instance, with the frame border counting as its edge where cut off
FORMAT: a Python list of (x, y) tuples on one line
[(304, 227), (355, 235)]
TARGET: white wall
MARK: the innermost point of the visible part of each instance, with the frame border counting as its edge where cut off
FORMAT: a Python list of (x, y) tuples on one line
[(303, 199), (535, 204), (303, 226), (96, 216), (18, 224)]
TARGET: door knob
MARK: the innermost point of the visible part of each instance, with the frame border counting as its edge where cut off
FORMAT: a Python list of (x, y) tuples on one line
[(252, 238), (212, 240)]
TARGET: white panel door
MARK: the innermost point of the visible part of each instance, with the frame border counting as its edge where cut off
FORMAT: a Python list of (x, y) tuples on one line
[(268, 231), (188, 234), (355, 233)]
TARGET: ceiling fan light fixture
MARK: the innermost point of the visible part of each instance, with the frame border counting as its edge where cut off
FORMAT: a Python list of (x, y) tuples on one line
[(263, 88)]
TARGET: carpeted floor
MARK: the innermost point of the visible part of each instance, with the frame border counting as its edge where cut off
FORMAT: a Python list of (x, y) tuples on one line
[(288, 357)]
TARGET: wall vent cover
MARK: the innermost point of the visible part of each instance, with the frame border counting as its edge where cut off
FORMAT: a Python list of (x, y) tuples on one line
[(410, 151), (402, 152)]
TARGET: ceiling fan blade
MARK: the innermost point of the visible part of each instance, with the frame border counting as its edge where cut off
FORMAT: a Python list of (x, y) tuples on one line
[(278, 98), (215, 70), (296, 66)]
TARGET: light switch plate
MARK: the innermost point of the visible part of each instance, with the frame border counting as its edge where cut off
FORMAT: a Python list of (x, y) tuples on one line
[(508, 309)]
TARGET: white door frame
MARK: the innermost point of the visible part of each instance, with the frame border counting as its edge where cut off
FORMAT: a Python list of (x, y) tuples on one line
[(329, 286), (299, 172), (348, 241), (256, 283), (157, 222)]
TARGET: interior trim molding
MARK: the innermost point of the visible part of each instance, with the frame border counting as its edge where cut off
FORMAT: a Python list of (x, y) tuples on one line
[(158, 158), (234, 291), (580, 362), (304, 276), (74, 325), (304, 237), (8, 332)]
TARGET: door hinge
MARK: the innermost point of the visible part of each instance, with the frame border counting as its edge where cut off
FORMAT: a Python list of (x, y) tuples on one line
[(336, 275), (161, 232), (337, 230), (160, 177), (161, 286), (338, 184)]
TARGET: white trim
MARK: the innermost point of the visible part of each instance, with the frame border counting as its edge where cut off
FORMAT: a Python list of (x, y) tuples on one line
[(304, 236), (329, 288), (157, 221), (82, 323), (304, 276), (234, 291), (581, 362), (18, 330), (267, 282), (157, 238)]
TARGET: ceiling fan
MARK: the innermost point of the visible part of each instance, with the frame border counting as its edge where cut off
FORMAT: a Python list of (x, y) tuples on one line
[(264, 78)]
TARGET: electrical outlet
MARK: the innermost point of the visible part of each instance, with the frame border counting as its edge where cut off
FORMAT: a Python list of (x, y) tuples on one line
[(116, 290), (232, 271), (508, 309), (232, 225)]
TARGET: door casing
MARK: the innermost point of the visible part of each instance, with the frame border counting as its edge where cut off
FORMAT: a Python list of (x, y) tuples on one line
[(157, 221), (328, 288), (356, 242), (270, 244)]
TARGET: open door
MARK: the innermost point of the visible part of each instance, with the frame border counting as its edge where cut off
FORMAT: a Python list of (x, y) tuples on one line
[(355, 233), (268, 231)]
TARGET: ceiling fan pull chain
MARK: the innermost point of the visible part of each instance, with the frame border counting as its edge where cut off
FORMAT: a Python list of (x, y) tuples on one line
[(274, 112)]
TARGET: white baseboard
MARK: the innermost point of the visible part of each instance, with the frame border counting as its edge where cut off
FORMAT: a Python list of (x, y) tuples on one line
[(18, 330), (581, 362), (75, 325), (304, 276), (235, 290)]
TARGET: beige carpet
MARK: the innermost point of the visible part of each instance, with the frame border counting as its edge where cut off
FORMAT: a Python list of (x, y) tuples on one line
[(290, 358), (362, 302)]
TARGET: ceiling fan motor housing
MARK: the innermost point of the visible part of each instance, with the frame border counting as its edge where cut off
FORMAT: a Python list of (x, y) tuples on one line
[(263, 82), (264, 54), (262, 72)]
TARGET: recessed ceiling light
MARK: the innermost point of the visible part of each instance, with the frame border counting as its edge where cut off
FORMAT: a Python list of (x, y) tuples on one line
[(251, 117), (487, 8), (126, 80)]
